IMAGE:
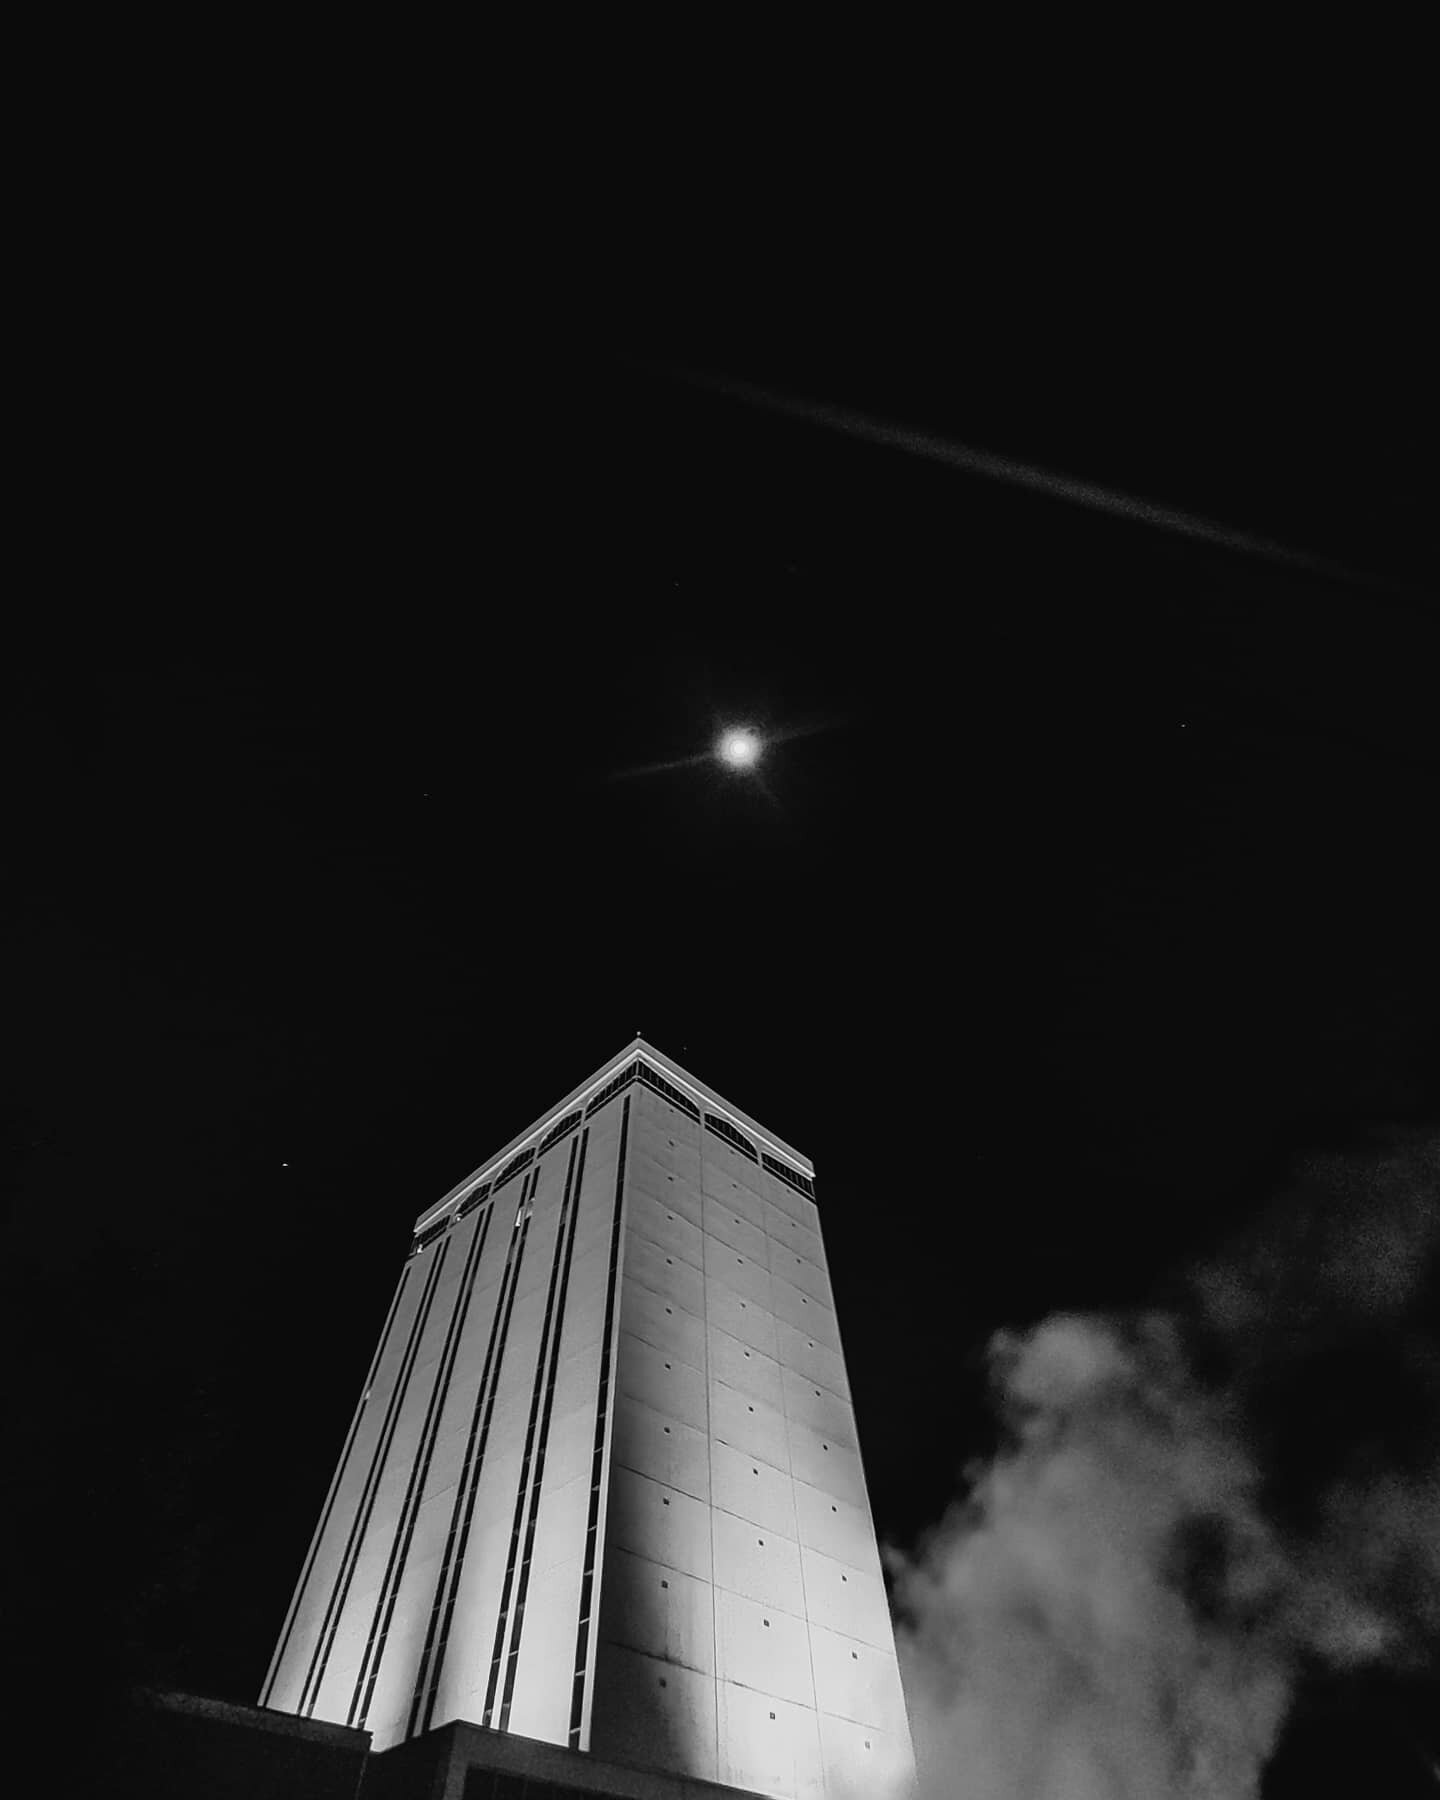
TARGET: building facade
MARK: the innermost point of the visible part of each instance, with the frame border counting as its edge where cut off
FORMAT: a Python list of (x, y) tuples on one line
[(603, 1487)]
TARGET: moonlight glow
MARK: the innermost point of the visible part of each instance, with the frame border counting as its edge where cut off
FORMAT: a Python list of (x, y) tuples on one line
[(740, 748)]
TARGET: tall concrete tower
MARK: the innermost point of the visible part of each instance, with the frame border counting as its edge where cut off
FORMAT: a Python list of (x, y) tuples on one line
[(603, 1487)]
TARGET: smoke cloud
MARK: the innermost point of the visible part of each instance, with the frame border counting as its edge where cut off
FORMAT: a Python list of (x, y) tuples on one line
[(1193, 1507)]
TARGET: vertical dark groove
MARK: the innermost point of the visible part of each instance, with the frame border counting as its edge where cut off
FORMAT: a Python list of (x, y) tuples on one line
[(361, 1523), (597, 1460), (513, 1660), (335, 1487), (369, 1669), (523, 1481), (442, 1608)]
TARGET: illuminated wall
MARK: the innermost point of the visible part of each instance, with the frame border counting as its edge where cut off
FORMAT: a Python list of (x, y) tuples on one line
[(603, 1486)]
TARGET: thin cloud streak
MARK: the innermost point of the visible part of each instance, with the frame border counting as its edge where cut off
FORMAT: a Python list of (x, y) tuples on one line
[(1055, 485)]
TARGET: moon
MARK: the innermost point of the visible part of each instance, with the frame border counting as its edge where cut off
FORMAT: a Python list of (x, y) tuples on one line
[(739, 747)]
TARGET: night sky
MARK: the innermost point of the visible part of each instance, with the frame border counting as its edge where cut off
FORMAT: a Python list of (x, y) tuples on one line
[(1090, 884)]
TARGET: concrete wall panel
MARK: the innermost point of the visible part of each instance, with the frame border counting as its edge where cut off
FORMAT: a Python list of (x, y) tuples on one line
[(832, 1467), (669, 1452), (652, 1713), (729, 1226), (673, 1192), (751, 1489), (749, 1425), (855, 1681), (847, 1601), (793, 1205), (741, 1196), (824, 1412), (671, 1138), (798, 1309), (732, 1184), (684, 1198), (762, 1647), (792, 1237), (664, 1273), (801, 1350), (749, 1370), (661, 1381), (741, 1318), (743, 1276), (648, 1606), (663, 1144), (652, 1520), (861, 1760), (758, 1563), (658, 1320), (663, 1226), (800, 1272), (658, 1114), (836, 1528), (768, 1745), (720, 1161)]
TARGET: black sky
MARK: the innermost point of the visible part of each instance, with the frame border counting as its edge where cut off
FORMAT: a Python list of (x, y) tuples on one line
[(1101, 888)]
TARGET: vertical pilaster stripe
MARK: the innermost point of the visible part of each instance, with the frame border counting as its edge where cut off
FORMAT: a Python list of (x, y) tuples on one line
[(597, 1460), (442, 1610), (512, 1661), (335, 1487), (369, 1669), (522, 1484), (361, 1523)]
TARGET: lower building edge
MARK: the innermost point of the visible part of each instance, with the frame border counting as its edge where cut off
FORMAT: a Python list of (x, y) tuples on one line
[(176, 1744)]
